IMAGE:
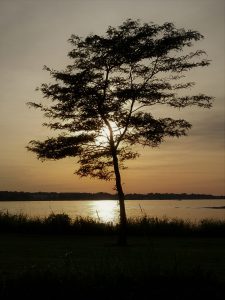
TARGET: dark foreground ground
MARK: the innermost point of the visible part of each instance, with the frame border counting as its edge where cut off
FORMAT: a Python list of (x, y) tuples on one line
[(83, 267)]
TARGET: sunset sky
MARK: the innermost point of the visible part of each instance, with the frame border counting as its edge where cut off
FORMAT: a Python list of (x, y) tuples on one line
[(35, 33)]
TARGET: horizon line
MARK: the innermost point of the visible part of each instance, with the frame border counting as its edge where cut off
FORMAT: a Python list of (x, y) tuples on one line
[(134, 193)]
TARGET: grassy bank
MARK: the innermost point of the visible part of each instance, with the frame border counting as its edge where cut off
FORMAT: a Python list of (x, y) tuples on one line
[(92, 267), (144, 226), (56, 257)]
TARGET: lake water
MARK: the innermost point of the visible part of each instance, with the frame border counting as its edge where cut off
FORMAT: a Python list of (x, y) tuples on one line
[(108, 210)]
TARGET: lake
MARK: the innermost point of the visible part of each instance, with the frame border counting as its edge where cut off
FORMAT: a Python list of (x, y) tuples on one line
[(108, 210)]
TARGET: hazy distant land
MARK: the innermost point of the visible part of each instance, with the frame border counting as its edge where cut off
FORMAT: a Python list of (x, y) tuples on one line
[(42, 196)]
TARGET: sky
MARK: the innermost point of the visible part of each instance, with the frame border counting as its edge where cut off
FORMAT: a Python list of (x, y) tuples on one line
[(35, 33)]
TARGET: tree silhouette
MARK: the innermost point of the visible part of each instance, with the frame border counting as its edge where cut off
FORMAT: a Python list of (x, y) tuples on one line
[(102, 101)]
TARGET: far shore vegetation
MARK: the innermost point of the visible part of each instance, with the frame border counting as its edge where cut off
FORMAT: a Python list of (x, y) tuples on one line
[(42, 196)]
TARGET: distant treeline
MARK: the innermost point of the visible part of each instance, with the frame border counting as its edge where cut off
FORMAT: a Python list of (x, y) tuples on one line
[(18, 196)]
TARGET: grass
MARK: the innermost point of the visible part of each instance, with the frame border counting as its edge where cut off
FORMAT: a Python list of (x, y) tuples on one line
[(92, 266), (145, 226), (56, 257)]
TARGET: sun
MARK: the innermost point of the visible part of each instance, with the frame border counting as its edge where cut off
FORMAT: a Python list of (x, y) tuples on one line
[(104, 135)]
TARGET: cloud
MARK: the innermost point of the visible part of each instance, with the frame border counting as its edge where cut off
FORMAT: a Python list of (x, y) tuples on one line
[(210, 131)]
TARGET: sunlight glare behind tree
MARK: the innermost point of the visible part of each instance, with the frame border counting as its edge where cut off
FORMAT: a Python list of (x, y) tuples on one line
[(101, 103)]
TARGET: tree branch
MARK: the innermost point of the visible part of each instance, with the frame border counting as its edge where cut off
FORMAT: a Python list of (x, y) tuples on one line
[(130, 112), (152, 73)]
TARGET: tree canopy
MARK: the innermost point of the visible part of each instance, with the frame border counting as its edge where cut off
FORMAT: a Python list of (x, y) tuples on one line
[(112, 83)]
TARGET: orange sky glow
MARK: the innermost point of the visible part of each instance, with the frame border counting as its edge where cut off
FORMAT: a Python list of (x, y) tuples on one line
[(35, 33)]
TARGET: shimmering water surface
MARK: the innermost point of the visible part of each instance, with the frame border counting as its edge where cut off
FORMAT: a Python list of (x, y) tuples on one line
[(108, 210)]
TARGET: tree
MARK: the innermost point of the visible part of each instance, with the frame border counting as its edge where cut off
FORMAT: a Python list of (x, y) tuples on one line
[(102, 101)]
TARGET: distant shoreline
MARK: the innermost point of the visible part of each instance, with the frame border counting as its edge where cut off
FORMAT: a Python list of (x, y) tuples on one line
[(48, 196)]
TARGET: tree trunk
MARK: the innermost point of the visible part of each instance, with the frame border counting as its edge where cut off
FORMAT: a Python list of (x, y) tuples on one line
[(122, 241)]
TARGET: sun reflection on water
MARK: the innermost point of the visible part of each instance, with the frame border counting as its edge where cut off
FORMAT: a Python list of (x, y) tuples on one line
[(105, 210)]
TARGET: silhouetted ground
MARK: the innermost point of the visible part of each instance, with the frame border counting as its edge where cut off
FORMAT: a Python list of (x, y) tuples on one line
[(93, 267)]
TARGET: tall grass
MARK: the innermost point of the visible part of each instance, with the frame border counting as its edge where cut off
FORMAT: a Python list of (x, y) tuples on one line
[(63, 224), (176, 227)]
